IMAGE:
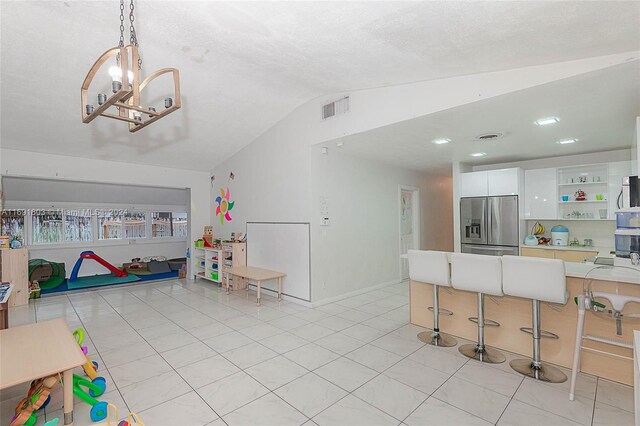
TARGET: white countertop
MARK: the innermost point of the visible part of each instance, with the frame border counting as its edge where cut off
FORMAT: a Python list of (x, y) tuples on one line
[(602, 251), (601, 272)]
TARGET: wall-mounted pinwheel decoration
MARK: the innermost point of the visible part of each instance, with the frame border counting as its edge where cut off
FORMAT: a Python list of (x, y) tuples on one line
[(224, 206)]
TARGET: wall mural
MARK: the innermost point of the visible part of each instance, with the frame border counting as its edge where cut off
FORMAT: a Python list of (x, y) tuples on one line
[(224, 206)]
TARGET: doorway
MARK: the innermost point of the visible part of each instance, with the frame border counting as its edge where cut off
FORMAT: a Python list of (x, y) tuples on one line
[(409, 203)]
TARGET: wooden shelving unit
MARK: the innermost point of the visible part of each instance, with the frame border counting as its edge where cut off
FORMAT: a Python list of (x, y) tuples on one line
[(211, 263), (14, 268), (206, 264), (235, 254)]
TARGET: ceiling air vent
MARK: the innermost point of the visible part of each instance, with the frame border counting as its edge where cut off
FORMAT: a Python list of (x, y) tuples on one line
[(489, 136), (334, 108)]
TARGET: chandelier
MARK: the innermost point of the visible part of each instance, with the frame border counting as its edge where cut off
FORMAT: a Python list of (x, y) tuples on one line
[(126, 86)]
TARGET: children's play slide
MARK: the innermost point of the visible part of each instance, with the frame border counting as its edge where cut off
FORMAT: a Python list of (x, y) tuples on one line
[(116, 276)]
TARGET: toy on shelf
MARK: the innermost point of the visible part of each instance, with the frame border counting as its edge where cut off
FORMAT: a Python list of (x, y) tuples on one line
[(37, 397)]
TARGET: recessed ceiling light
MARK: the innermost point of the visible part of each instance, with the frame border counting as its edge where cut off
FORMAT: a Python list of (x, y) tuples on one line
[(340, 144), (478, 154), (566, 141), (546, 121), (441, 141)]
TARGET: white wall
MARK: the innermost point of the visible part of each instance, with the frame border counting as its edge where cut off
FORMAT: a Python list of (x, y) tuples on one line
[(272, 180), (30, 164), (361, 247)]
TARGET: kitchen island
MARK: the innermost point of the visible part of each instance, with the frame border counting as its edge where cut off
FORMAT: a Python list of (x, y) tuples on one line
[(513, 313)]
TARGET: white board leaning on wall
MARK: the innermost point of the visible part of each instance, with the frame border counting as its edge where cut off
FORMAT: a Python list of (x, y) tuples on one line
[(284, 247)]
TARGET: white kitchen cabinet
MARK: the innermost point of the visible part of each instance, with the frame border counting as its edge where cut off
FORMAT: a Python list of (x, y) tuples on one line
[(474, 184), (503, 182), (540, 194)]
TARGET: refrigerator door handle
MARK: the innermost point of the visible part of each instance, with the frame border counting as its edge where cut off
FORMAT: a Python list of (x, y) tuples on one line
[(490, 209), (487, 248)]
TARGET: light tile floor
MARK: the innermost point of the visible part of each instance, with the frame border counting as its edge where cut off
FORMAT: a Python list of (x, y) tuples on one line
[(185, 353)]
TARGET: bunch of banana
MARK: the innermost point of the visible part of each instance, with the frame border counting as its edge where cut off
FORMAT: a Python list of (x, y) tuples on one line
[(537, 229)]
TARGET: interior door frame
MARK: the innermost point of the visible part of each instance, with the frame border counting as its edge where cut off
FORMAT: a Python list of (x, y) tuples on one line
[(416, 212)]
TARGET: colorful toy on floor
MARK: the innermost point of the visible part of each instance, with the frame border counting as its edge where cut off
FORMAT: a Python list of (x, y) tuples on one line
[(91, 255), (87, 392), (48, 274), (112, 418), (37, 397), (115, 275), (89, 367)]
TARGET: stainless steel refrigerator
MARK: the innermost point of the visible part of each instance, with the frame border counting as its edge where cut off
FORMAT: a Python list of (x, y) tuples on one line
[(489, 225)]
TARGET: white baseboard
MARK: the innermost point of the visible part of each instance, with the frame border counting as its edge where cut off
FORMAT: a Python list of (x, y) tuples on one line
[(329, 299), (354, 293)]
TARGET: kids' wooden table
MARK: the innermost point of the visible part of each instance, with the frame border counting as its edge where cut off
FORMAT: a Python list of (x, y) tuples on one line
[(33, 351), (257, 275)]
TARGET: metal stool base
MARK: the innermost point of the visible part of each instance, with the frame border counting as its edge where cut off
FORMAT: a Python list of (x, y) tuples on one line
[(488, 355), (545, 373), (441, 339)]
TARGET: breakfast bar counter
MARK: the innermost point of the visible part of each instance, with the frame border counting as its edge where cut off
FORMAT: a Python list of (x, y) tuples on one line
[(513, 313)]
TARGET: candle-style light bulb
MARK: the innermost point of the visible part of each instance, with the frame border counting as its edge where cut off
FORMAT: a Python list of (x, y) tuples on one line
[(116, 78)]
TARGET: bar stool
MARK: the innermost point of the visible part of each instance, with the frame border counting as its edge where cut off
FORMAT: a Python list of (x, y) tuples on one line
[(481, 274), (432, 267), (539, 280)]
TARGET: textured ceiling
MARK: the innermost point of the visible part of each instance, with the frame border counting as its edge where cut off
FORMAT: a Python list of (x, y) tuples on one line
[(246, 65), (598, 108)]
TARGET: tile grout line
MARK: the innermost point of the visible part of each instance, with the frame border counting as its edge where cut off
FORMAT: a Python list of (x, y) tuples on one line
[(97, 351), (217, 354), (284, 331), (595, 398), (253, 378), (160, 354), (510, 400)]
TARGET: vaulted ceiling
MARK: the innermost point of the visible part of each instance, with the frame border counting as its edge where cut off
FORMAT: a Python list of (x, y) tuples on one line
[(598, 108), (246, 65)]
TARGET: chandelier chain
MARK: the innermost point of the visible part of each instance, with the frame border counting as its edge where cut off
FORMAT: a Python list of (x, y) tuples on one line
[(133, 38), (121, 44)]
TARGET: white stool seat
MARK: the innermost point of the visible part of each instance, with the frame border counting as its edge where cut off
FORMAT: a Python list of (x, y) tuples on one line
[(428, 266), (432, 267), (481, 274), (537, 279), (477, 273)]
